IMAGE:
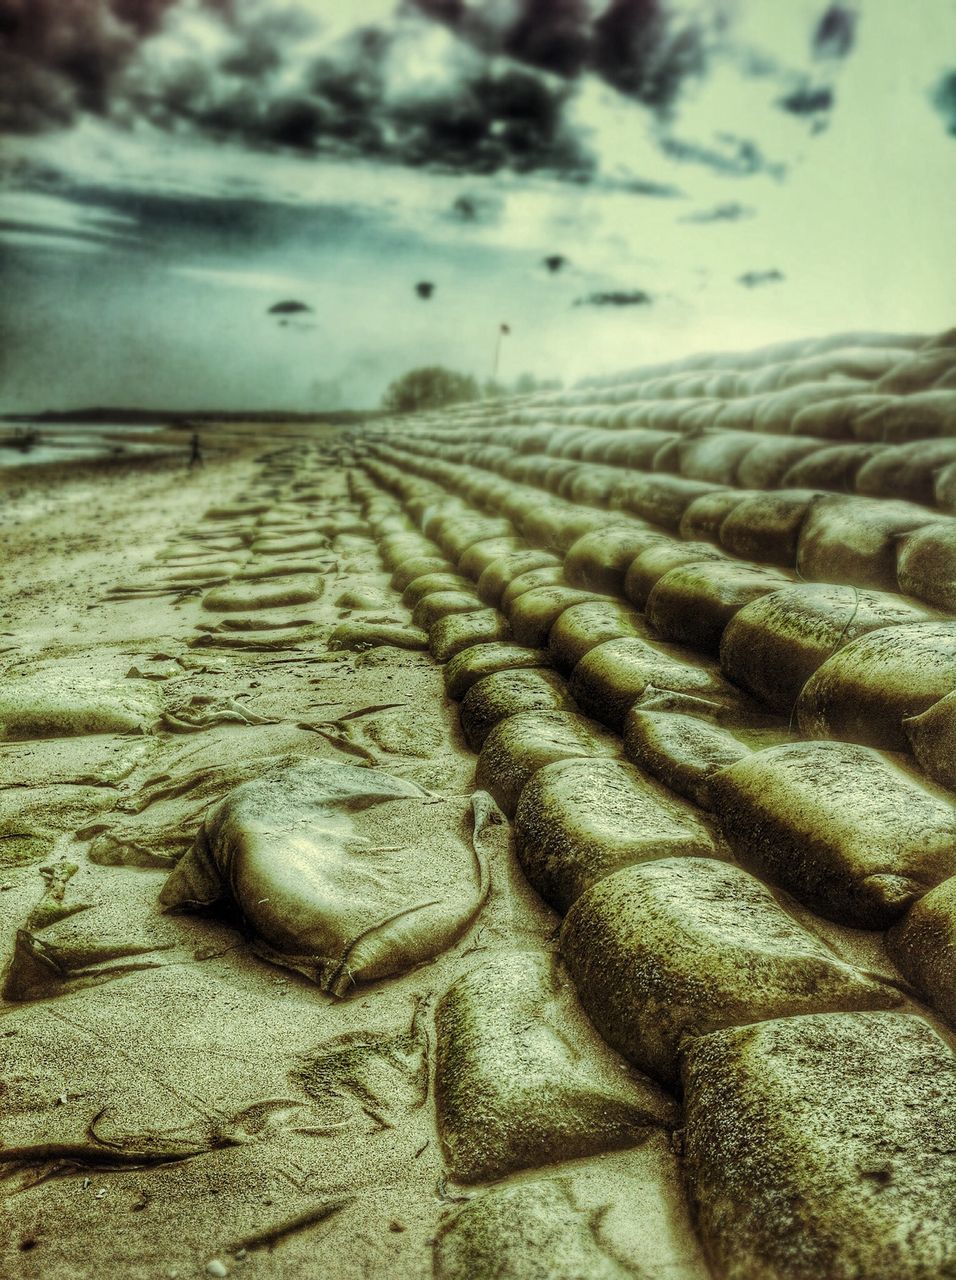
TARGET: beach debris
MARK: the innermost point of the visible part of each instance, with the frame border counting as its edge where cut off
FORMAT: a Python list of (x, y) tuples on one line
[(366, 1073), (203, 711), (341, 873), (271, 1235)]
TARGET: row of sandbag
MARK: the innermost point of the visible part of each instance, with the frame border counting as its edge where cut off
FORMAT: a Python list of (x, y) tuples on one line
[(616, 659), (839, 400), (773, 355), (685, 963), (873, 543), (922, 471), (861, 665)]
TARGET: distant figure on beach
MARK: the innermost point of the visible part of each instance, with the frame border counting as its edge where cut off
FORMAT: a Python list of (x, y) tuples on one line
[(195, 456)]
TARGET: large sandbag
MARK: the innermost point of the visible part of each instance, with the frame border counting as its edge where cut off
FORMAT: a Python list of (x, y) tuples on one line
[(920, 416), (417, 566), (545, 576), (766, 527), (505, 693), (854, 540), (906, 471), (866, 689), (835, 419), (442, 604), (650, 566), (343, 874), (768, 460), (511, 1092), (773, 645), (661, 499), (846, 829), (611, 677), (776, 413), (458, 631), (833, 468), (683, 741), (581, 820), (583, 626), (923, 945), (926, 564), (693, 604), (528, 1231), (498, 575), (429, 583), (713, 455), (680, 947), (480, 660), (521, 745), (823, 1147), (918, 372), (473, 561), (534, 612), (703, 518), (600, 560), (61, 699), (248, 596)]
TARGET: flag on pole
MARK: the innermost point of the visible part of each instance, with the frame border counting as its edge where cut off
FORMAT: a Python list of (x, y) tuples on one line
[(505, 328)]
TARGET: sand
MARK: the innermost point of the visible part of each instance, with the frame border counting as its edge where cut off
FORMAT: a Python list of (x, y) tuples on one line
[(162, 1090)]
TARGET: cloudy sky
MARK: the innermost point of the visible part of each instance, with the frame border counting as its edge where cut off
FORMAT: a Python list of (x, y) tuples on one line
[(616, 180)]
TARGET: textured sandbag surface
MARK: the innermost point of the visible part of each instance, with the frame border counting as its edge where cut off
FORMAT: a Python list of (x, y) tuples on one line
[(774, 645), (511, 1094), (869, 687), (677, 948), (823, 1146), (846, 829), (579, 821)]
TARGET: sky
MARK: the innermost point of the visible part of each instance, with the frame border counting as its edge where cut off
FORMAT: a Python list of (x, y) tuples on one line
[(617, 181)]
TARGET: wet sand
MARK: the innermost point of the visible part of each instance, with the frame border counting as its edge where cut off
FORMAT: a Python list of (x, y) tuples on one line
[(162, 1113)]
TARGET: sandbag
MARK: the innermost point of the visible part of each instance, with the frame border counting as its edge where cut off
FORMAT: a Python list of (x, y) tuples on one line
[(823, 1147), (866, 689), (343, 874), (579, 821), (511, 1093), (680, 947), (772, 646), (845, 829)]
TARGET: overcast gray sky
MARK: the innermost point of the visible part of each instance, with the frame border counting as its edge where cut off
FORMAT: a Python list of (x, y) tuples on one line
[(700, 175)]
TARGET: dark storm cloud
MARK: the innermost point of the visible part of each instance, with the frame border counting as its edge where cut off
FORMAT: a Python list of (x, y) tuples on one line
[(500, 102), (808, 101), (753, 279), (728, 154), (732, 212), (61, 57), (638, 46)]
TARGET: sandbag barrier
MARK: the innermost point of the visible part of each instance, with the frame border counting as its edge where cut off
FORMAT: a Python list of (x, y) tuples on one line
[(866, 387), (870, 543), (682, 959), (920, 470), (682, 720), (840, 661)]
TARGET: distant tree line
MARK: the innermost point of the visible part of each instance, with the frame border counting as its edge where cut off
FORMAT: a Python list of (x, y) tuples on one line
[(433, 387)]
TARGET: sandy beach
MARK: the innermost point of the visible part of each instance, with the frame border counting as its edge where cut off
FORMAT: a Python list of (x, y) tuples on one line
[(167, 1033)]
